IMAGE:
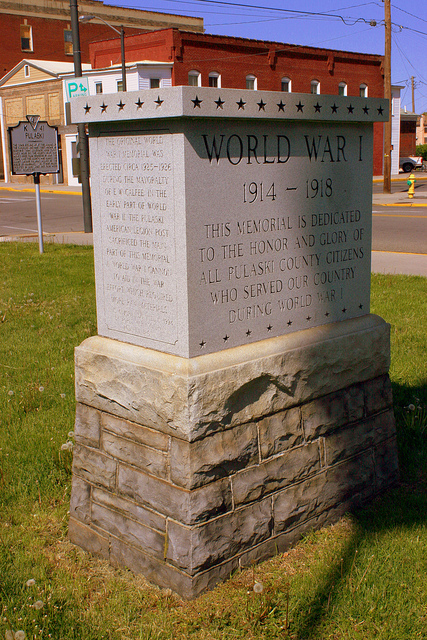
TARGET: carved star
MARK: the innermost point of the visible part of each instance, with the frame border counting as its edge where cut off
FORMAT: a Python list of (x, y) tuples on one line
[(350, 108), (327, 314), (334, 108), (226, 338), (289, 323), (269, 328), (248, 332), (158, 102), (300, 107), (103, 107), (308, 318), (317, 107), (241, 104), (202, 344), (380, 111), (360, 306), (139, 103), (121, 105), (344, 310), (261, 105), (87, 108), (366, 109), (197, 102), (219, 103), (281, 105)]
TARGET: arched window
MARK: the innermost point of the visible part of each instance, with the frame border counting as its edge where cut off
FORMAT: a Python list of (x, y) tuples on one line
[(214, 79), (251, 82), (286, 85), (194, 78), (315, 86), (363, 90), (342, 89)]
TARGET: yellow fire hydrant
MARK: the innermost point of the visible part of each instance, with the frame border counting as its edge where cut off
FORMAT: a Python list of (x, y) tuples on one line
[(411, 183)]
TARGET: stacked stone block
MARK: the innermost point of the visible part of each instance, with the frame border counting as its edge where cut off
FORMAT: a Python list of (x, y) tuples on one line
[(185, 470)]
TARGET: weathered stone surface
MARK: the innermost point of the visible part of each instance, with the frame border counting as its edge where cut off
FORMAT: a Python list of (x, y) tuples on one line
[(131, 531), (280, 431), (384, 426), (129, 508), (133, 431), (147, 459), (188, 507), (386, 464), (94, 466), (192, 397), (378, 395), (88, 538), (80, 499), (348, 442), (201, 547), (332, 411), (352, 481), (298, 503), (216, 456), (292, 466), (87, 426)]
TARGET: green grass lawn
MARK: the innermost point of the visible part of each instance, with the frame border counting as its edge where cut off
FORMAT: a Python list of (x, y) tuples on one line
[(365, 577)]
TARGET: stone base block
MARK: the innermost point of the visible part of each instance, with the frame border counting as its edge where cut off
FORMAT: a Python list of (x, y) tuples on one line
[(186, 469)]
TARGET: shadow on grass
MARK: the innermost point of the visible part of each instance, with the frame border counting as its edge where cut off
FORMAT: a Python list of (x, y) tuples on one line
[(405, 505)]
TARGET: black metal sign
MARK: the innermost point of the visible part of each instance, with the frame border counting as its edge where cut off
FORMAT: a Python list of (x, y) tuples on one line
[(34, 147)]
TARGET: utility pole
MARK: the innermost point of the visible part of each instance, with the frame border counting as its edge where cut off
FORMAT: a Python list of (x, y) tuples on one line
[(387, 96), (83, 146), (413, 93)]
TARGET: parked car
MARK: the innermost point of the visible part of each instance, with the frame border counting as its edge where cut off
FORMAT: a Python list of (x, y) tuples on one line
[(409, 164)]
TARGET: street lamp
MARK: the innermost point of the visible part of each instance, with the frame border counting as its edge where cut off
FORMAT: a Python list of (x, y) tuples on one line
[(122, 42)]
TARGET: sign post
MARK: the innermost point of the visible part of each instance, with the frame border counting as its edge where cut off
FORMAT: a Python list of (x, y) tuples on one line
[(34, 151)]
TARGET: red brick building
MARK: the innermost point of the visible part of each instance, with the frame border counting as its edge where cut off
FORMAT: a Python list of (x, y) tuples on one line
[(41, 30), (222, 61)]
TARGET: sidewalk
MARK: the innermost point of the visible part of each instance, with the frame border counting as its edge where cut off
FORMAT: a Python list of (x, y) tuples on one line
[(382, 261)]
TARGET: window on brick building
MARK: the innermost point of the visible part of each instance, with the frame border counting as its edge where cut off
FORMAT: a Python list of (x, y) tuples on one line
[(26, 37), (286, 85), (363, 91), (194, 79), (119, 85), (342, 89), (154, 83), (251, 82), (68, 42), (315, 86), (214, 79), (98, 87)]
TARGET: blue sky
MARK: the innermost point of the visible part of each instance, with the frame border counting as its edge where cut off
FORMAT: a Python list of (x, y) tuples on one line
[(345, 26)]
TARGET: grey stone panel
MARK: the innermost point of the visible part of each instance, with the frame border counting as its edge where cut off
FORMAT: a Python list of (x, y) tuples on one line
[(386, 465), (217, 456), (131, 531), (174, 502), (332, 411), (298, 503), (351, 481), (276, 473), (94, 466), (129, 509), (87, 426), (280, 431), (378, 395), (89, 539), (384, 426), (147, 459), (80, 499), (348, 442), (207, 545)]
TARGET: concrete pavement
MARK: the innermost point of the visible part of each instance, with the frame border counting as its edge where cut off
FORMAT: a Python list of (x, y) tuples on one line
[(382, 261)]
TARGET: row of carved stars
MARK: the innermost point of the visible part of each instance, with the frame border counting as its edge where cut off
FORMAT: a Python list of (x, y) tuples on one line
[(226, 338), (241, 106)]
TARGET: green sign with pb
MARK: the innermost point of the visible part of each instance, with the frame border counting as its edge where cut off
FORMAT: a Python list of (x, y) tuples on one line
[(76, 87)]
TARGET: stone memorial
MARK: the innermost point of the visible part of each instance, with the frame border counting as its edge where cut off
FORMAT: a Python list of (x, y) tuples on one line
[(237, 392)]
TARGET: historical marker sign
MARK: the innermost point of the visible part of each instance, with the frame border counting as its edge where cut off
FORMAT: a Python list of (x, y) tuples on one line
[(34, 147)]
